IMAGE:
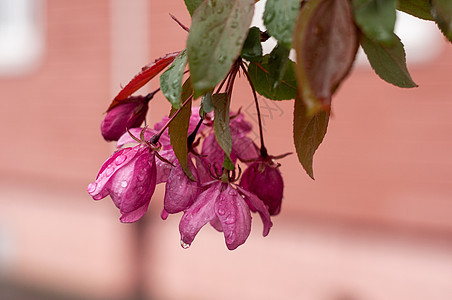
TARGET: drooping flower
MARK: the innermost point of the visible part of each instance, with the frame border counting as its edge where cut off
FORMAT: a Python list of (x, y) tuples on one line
[(130, 113), (228, 210), (264, 179), (129, 177)]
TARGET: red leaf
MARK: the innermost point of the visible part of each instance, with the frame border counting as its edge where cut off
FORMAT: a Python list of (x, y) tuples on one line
[(147, 73), (326, 41)]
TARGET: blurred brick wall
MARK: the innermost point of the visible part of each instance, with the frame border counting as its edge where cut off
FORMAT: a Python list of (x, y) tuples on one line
[(50, 118)]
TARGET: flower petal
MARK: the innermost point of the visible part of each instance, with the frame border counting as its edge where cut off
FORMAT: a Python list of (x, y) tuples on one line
[(180, 191), (164, 168), (135, 215), (244, 148), (199, 214), (235, 218), (133, 185), (100, 188), (258, 205)]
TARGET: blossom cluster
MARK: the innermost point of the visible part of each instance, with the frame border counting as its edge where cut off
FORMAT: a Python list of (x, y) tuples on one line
[(223, 198)]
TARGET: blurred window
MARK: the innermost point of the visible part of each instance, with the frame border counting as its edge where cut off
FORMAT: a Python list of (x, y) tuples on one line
[(21, 36)]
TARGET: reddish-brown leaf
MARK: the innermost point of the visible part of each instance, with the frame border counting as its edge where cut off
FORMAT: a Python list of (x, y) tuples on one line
[(147, 73), (326, 41)]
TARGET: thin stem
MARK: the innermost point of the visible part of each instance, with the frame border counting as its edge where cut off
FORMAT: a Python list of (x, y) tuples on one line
[(180, 23), (263, 150), (156, 137)]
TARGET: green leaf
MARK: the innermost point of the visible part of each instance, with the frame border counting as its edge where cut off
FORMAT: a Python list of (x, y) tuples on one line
[(252, 49), (218, 32), (206, 105), (277, 64), (376, 18), (326, 42), (442, 12), (171, 80), (178, 129), (279, 19), (221, 124), (418, 8), (192, 5), (263, 81), (308, 133), (388, 62)]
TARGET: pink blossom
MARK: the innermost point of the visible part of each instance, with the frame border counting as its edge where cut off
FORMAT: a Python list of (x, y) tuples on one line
[(264, 179), (228, 210), (129, 113), (129, 177)]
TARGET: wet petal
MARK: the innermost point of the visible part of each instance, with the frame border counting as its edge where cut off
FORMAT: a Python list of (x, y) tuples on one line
[(244, 148), (164, 168), (135, 215), (199, 214), (133, 185), (100, 188), (234, 215), (180, 191), (203, 170), (215, 222), (258, 205)]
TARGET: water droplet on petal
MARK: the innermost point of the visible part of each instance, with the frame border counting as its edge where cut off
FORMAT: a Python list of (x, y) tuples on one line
[(124, 183), (120, 159), (230, 220), (92, 187), (140, 190), (109, 170), (141, 176), (232, 193), (184, 245), (221, 211)]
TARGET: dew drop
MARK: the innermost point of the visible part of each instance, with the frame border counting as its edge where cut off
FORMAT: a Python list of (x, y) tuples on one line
[(140, 190), (141, 176), (221, 211), (230, 220), (123, 183), (184, 245), (92, 187), (221, 60), (232, 193), (109, 170), (120, 159)]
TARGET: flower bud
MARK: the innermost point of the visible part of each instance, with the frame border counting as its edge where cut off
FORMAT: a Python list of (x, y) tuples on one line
[(128, 114), (265, 181)]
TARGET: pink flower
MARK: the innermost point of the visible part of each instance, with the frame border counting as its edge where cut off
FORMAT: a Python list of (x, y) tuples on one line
[(264, 179), (227, 209), (129, 113), (180, 191), (243, 147), (129, 177)]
